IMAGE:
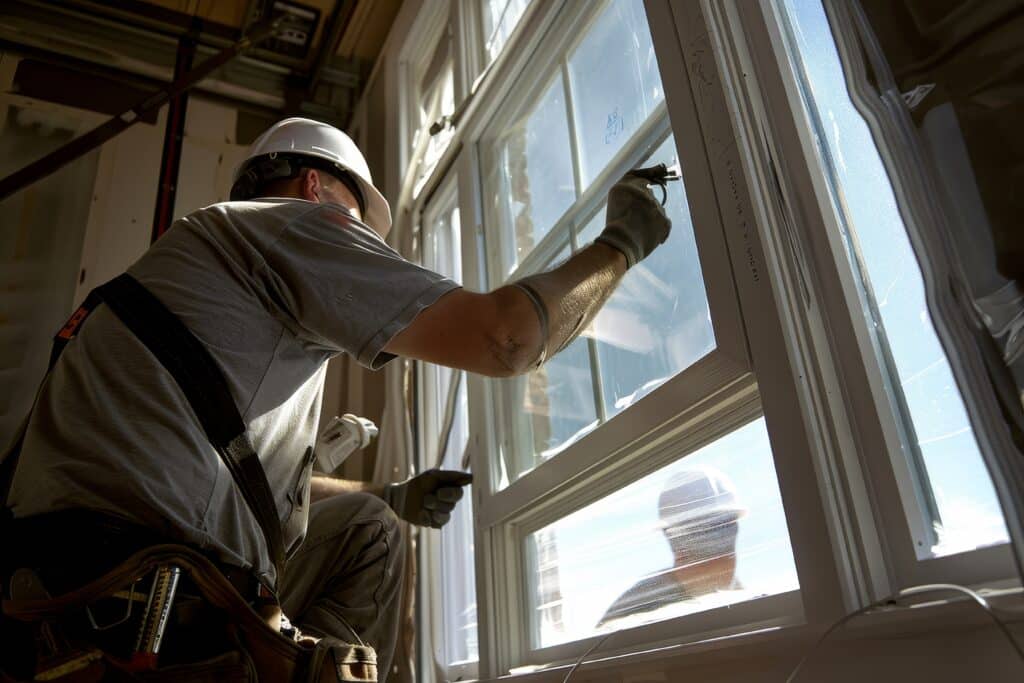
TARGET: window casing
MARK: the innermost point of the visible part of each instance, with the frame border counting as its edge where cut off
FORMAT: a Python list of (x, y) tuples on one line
[(775, 296)]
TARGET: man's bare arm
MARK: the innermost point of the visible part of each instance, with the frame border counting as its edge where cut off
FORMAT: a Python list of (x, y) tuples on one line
[(324, 487), (499, 334), (511, 330)]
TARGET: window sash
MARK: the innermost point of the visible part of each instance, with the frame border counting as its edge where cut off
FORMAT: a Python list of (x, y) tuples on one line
[(504, 641), (882, 510), (722, 366)]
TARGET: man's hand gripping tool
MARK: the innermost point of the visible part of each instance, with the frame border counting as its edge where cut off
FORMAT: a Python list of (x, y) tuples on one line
[(659, 175)]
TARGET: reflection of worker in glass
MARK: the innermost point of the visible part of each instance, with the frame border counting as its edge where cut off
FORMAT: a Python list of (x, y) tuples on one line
[(699, 516)]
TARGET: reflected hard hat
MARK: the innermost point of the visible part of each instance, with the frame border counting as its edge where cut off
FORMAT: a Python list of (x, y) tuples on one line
[(323, 145), (698, 497)]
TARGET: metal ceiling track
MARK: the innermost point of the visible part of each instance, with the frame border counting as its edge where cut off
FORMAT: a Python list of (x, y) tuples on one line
[(96, 137), (132, 41)]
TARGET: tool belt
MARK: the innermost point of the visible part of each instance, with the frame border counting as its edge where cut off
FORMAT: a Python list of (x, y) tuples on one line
[(63, 638)]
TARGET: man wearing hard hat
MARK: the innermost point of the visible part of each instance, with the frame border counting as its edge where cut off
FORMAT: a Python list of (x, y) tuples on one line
[(265, 289), (698, 513)]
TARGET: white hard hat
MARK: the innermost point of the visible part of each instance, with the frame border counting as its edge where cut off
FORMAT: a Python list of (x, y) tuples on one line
[(310, 140), (696, 497)]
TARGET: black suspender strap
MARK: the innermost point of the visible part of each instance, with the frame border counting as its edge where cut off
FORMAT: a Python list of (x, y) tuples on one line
[(200, 379)]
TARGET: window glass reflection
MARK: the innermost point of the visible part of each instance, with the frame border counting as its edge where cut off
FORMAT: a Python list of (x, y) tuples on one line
[(704, 532)]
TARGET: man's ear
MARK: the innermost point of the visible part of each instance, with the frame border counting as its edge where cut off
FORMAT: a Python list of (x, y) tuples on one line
[(310, 184)]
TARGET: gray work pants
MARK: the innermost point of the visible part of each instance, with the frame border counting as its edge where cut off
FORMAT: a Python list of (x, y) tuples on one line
[(346, 578)]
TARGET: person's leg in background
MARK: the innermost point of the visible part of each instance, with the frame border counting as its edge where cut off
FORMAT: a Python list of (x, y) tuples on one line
[(346, 579)]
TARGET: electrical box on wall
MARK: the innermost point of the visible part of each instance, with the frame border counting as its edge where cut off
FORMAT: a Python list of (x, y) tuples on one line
[(297, 38)]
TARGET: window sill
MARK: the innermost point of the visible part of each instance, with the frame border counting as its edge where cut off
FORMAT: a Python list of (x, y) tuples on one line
[(773, 652)]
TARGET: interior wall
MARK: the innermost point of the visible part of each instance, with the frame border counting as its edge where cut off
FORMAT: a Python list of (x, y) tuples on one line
[(64, 234)]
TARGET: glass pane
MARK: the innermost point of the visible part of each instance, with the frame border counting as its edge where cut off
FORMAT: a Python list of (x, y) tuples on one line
[(458, 570), (703, 532), (442, 252), (959, 499), (529, 179), (437, 103), (615, 83), (551, 408), (500, 19), (657, 323)]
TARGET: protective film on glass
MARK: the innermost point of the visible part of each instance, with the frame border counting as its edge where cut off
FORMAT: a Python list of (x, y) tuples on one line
[(529, 178), (704, 532), (959, 500), (615, 83)]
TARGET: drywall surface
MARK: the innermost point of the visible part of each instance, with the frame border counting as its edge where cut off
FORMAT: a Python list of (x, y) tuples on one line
[(41, 234)]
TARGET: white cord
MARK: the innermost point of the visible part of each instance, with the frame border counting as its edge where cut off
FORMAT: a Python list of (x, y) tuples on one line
[(907, 592), (579, 662)]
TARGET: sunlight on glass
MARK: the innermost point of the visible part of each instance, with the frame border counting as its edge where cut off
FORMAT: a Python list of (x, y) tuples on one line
[(500, 19), (615, 83), (530, 177), (965, 513), (657, 323), (436, 104), (704, 532)]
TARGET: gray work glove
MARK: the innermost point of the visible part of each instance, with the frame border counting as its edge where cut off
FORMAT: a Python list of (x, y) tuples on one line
[(636, 223), (428, 498)]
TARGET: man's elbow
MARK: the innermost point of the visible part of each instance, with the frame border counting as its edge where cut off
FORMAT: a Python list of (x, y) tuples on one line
[(511, 356), (513, 335)]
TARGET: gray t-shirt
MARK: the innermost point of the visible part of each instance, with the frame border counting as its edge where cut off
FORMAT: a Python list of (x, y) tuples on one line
[(273, 288)]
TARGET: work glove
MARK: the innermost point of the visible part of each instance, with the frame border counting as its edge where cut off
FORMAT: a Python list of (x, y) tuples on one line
[(635, 222), (428, 498)]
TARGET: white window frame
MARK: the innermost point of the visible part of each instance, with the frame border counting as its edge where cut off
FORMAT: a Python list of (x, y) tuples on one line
[(580, 475), (757, 182), (899, 519)]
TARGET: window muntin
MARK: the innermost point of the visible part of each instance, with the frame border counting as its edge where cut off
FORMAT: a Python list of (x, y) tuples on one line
[(500, 18), (611, 564), (955, 492)]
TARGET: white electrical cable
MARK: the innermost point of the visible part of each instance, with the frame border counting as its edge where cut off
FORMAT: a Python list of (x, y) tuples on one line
[(579, 662), (907, 592)]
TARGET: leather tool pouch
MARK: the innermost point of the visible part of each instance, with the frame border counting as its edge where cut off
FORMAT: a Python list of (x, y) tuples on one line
[(254, 649)]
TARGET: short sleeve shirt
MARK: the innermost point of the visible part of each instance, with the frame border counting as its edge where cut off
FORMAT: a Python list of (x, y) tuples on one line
[(273, 288)]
